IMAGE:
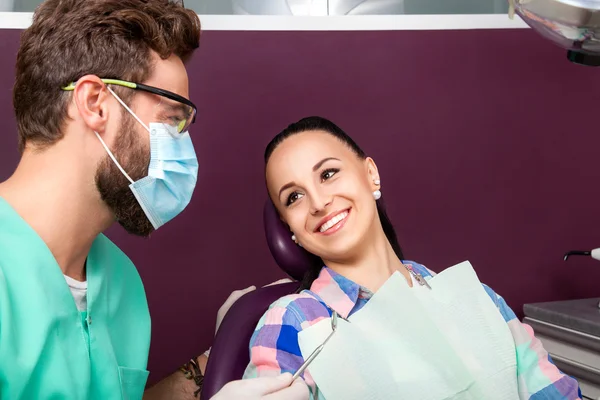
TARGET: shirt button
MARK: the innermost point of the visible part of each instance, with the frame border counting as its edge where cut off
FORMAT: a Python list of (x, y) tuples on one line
[(89, 320)]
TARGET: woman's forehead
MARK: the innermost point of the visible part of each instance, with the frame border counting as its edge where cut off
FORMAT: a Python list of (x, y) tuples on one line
[(298, 154), (307, 147)]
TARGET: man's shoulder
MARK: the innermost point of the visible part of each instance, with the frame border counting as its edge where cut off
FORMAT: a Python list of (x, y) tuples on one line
[(120, 275), (111, 249), (116, 265), (17, 239)]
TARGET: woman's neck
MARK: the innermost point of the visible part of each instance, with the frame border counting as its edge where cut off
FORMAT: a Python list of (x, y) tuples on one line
[(375, 263)]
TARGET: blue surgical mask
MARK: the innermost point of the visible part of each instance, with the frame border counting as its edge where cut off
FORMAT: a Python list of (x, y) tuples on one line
[(172, 173)]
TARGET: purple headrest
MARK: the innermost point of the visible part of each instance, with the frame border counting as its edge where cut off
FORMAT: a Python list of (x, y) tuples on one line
[(230, 355), (290, 257)]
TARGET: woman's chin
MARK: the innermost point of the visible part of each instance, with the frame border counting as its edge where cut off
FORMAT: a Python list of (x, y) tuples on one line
[(340, 252)]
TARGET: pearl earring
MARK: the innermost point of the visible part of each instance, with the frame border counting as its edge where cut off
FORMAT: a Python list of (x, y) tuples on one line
[(377, 182), (296, 240), (377, 194)]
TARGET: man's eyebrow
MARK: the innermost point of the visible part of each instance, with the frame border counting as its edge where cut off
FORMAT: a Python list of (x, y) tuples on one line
[(178, 107)]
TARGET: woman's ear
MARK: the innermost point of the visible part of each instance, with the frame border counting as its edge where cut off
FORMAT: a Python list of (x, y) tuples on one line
[(372, 173)]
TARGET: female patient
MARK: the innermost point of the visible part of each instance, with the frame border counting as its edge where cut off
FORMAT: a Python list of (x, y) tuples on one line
[(327, 191)]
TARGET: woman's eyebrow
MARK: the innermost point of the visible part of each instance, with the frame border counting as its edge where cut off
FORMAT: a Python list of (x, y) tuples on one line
[(323, 161), (315, 167), (286, 186)]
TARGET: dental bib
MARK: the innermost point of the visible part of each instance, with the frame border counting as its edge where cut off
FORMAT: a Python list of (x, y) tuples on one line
[(447, 342)]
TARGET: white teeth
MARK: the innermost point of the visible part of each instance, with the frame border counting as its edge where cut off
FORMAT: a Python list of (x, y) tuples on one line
[(327, 225)]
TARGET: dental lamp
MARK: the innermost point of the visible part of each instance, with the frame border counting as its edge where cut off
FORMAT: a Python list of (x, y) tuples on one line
[(595, 254), (571, 24)]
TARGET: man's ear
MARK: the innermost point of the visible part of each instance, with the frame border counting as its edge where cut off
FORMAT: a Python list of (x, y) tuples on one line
[(90, 97)]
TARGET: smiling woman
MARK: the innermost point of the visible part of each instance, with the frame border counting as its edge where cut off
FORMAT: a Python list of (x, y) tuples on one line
[(333, 162), (457, 339)]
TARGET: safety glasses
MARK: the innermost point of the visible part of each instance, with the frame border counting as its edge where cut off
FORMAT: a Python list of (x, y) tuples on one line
[(187, 109)]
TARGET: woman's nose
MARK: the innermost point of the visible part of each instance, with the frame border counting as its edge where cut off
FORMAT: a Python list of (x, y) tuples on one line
[(319, 202)]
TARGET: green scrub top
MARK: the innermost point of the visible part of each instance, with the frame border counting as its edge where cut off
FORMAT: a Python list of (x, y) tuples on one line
[(51, 350)]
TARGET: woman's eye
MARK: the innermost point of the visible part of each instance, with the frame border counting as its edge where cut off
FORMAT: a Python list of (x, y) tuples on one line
[(293, 197), (328, 173)]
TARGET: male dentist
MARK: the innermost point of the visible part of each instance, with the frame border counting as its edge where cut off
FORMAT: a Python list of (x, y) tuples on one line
[(103, 111)]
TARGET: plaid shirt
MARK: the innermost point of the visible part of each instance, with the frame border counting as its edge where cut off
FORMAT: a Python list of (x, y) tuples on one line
[(274, 345)]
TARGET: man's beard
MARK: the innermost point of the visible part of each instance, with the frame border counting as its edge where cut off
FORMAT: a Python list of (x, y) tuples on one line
[(134, 157)]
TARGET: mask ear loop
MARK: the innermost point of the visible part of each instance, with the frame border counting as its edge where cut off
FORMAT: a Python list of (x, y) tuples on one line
[(127, 108), (110, 154)]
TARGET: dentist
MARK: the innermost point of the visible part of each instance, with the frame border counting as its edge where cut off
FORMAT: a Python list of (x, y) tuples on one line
[(103, 111)]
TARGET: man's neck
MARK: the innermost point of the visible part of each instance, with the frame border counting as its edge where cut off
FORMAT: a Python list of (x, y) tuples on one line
[(55, 194)]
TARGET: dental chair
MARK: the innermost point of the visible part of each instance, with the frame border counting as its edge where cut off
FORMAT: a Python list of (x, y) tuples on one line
[(230, 354)]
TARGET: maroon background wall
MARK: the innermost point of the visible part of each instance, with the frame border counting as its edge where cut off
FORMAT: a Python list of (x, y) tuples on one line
[(486, 142)]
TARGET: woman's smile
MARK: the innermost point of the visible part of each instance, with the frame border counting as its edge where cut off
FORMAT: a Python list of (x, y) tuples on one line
[(333, 222)]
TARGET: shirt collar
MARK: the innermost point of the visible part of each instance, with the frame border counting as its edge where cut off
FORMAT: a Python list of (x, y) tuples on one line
[(339, 292), (342, 295)]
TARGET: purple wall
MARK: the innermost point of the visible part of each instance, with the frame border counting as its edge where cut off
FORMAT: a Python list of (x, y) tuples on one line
[(484, 139)]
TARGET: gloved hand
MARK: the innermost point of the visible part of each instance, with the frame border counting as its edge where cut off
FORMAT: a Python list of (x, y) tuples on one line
[(234, 296), (265, 388), (279, 282)]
